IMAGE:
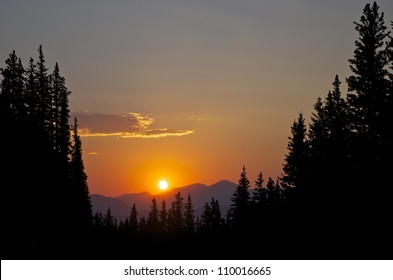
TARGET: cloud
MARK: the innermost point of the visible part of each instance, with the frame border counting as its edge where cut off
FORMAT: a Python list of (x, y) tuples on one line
[(130, 125)]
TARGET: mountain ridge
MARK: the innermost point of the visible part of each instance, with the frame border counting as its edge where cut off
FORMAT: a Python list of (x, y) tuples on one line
[(200, 193)]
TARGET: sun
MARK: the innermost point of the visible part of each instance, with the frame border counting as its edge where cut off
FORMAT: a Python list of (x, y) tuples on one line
[(163, 185)]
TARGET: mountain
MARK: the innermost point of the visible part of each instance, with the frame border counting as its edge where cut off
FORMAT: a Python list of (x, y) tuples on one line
[(200, 193), (101, 204)]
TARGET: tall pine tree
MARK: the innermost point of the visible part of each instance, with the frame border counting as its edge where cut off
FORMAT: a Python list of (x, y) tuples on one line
[(368, 93), (297, 159), (152, 220), (189, 217), (79, 187), (239, 212), (163, 218), (175, 216), (133, 221), (370, 101), (329, 139)]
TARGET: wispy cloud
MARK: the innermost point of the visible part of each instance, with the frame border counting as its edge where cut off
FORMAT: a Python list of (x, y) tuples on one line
[(130, 125)]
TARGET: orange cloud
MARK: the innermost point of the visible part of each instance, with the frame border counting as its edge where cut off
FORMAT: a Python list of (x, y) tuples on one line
[(130, 125)]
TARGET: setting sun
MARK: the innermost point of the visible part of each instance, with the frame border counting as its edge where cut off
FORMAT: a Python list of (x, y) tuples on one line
[(163, 185)]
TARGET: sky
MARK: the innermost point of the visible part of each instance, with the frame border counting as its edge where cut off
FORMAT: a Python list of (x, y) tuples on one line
[(187, 91)]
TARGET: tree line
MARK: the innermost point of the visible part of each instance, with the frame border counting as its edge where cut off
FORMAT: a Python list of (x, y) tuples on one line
[(333, 197), (340, 163), (45, 196), (177, 224), (179, 219)]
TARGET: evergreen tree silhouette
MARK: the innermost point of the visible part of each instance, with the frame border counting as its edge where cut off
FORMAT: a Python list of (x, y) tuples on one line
[(60, 115), (11, 153), (216, 218), (109, 221), (329, 139), (206, 218), (175, 216), (211, 218), (189, 217), (43, 85), (27, 156), (44, 174), (370, 103), (239, 211), (31, 87), (271, 191), (12, 89), (297, 159), (80, 190), (295, 181), (98, 221), (152, 220), (133, 221), (369, 97), (163, 218), (142, 227), (259, 196)]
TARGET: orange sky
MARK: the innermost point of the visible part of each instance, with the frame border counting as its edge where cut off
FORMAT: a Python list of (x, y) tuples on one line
[(116, 165)]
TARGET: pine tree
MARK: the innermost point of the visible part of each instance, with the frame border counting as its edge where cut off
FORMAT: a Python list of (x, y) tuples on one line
[(370, 100), (259, 193), (43, 88), (368, 92), (80, 190), (239, 211), (32, 97), (297, 158), (211, 219), (318, 135), (270, 187), (12, 105), (163, 218), (98, 220), (15, 160), (206, 218), (189, 217), (109, 222), (329, 138), (216, 218), (53, 188), (152, 220), (60, 115), (175, 216), (133, 221)]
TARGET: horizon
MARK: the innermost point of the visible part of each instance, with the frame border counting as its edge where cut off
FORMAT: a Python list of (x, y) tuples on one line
[(172, 188)]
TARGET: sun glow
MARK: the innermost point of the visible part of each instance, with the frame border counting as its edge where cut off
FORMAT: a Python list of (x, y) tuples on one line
[(163, 185)]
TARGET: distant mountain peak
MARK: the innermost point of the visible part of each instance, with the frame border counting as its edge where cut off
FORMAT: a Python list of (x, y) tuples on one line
[(200, 193), (222, 183)]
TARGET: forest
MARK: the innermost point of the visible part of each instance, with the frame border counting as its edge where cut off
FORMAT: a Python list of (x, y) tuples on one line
[(332, 201)]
